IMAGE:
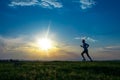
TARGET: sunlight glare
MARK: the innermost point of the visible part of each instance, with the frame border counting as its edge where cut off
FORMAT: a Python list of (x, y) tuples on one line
[(45, 43)]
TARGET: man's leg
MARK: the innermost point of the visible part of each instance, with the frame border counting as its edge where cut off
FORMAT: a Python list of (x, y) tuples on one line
[(82, 54), (89, 56)]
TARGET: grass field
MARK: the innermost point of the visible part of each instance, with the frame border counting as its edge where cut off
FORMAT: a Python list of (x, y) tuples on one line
[(60, 70)]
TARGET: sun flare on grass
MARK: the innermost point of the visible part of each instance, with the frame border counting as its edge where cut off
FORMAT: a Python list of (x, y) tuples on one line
[(45, 44)]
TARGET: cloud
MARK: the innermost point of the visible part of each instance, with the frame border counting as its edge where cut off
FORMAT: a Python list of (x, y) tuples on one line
[(51, 3), (20, 47), (43, 3), (107, 53), (85, 4), (11, 44), (86, 38), (112, 48), (23, 3), (91, 39), (25, 47)]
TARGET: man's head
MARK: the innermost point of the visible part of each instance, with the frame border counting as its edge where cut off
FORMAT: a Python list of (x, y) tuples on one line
[(83, 41)]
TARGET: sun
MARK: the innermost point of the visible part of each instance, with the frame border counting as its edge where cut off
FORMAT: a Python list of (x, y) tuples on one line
[(45, 44)]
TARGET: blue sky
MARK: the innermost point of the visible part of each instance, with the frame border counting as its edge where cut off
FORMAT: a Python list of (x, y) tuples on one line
[(97, 21)]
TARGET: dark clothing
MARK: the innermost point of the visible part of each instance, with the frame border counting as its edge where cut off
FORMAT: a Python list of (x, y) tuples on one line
[(85, 47), (85, 51)]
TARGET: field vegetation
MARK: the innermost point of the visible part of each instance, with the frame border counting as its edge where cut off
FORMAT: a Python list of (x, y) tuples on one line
[(59, 70)]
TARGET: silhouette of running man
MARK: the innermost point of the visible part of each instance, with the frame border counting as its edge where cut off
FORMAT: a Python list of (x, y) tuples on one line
[(85, 47)]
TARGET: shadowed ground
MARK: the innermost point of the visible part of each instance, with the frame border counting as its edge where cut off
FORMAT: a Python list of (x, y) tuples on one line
[(63, 70)]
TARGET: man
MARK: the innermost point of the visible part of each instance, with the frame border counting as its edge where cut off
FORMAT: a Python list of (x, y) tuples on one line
[(85, 47)]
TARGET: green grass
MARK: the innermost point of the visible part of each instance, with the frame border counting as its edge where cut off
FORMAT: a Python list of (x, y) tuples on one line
[(109, 70)]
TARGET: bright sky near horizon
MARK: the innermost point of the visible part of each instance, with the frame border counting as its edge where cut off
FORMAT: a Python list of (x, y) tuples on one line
[(26, 25)]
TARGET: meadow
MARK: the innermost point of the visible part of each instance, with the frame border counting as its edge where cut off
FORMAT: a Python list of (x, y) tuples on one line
[(59, 70)]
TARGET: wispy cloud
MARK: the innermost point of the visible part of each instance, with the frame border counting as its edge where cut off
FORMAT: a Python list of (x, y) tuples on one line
[(23, 3), (43, 3), (112, 48), (86, 38), (11, 44), (51, 3), (107, 53), (85, 4)]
